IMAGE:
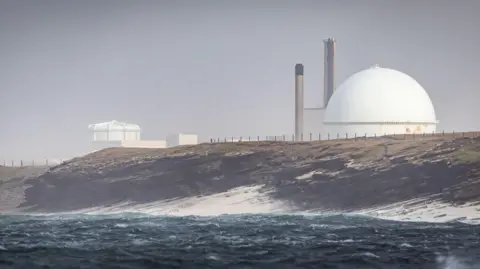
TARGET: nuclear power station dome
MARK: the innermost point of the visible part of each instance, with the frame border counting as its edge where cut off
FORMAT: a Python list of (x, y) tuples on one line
[(379, 101)]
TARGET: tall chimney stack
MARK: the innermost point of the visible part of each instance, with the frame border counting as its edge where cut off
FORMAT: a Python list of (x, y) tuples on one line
[(329, 70), (298, 102)]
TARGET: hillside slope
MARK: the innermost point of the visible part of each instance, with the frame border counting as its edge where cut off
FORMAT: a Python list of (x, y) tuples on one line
[(342, 175), (12, 184)]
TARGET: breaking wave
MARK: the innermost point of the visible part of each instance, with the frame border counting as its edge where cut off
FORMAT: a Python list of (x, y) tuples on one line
[(250, 200), (241, 228)]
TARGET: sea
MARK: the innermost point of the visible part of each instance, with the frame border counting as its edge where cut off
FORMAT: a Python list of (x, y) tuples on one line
[(278, 241)]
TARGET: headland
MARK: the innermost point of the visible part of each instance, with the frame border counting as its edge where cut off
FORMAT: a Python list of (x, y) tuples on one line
[(406, 179)]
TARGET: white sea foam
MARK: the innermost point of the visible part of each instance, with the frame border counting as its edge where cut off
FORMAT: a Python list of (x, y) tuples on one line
[(252, 200), (242, 200), (453, 262), (427, 210)]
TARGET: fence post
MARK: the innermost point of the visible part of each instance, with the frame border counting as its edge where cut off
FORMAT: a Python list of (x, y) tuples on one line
[(365, 136), (346, 135), (355, 136), (283, 137), (301, 137), (310, 136), (225, 140), (46, 162), (375, 136), (443, 132), (328, 136), (319, 136), (241, 139), (258, 138), (21, 163), (338, 135), (453, 133), (248, 138)]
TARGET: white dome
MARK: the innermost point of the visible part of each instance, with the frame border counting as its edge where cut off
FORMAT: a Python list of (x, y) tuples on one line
[(380, 100)]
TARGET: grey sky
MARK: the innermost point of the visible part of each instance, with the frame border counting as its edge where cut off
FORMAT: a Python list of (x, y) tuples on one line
[(215, 68)]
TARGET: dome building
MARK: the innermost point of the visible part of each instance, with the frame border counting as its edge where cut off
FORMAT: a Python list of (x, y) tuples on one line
[(379, 101)]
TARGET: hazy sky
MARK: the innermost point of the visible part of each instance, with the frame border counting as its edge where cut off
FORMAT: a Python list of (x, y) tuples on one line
[(214, 68)]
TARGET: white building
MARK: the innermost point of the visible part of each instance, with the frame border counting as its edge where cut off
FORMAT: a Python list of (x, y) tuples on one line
[(182, 139), (379, 101), (151, 144), (116, 134), (114, 131)]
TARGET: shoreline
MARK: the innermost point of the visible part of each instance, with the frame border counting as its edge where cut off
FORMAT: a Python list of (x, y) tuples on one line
[(263, 177)]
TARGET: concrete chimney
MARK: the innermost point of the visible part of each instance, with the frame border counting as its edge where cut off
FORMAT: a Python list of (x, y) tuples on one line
[(299, 106), (329, 70)]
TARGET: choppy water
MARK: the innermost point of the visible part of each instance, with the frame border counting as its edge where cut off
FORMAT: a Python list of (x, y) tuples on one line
[(248, 241)]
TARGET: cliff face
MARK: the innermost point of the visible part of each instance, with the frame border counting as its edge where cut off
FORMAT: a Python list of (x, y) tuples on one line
[(327, 175)]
